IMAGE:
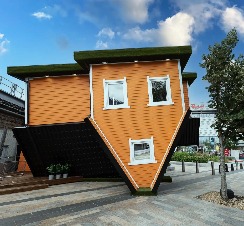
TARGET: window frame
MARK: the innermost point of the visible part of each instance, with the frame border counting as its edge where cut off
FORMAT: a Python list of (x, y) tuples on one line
[(105, 89), (133, 161), (168, 90)]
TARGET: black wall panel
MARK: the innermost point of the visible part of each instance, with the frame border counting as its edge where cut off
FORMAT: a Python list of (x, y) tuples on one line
[(190, 136), (72, 143)]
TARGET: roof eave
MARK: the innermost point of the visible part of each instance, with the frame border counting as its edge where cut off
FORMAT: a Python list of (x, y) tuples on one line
[(189, 77), (22, 72), (85, 58)]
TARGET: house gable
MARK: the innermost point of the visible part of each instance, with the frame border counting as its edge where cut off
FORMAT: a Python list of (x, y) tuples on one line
[(139, 121)]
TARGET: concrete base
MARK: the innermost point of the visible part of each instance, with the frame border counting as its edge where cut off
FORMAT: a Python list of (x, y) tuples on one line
[(144, 192), (167, 179), (170, 168)]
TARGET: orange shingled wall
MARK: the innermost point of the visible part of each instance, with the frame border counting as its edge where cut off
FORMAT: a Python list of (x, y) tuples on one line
[(139, 121), (23, 166), (186, 96), (59, 99)]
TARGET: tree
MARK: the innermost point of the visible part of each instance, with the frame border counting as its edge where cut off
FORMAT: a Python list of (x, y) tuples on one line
[(225, 75)]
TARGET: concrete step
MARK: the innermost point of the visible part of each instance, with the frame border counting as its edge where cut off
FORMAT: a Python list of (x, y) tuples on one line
[(39, 181), (16, 185), (12, 190), (63, 180)]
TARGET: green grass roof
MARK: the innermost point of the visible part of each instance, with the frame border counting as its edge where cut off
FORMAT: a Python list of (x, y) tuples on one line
[(85, 58), (189, 76), (22, 72)]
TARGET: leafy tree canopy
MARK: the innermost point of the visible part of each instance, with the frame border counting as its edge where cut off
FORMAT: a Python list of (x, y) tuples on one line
[(225, 74)]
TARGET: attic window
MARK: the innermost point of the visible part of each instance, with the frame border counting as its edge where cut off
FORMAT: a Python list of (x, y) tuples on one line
[(141, 151), (115, 94), (159, 91)]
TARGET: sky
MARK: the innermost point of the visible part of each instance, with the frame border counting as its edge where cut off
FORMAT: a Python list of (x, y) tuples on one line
[(49, 31)]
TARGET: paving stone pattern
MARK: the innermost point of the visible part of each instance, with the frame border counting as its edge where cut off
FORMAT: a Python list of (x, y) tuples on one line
[(110, 203)]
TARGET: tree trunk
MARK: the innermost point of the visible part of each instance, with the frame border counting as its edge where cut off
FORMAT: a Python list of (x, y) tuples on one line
[(223, 190)]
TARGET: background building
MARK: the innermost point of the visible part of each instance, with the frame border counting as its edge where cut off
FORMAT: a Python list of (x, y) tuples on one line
[(208, 137), (12, 108)]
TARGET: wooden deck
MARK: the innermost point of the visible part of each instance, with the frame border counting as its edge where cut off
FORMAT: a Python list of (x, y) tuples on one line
[(20, 182)]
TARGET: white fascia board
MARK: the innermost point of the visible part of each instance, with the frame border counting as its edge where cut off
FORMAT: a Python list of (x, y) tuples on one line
[(181, 87), (26, 101), (91, 93)]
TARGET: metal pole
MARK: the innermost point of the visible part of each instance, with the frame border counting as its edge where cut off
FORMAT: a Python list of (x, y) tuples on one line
[(183, 166), (241, 166), (226, 168), (212, 166), (197, 167)]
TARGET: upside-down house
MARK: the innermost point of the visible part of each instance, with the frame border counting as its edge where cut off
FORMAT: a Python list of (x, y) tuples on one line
[(113, 113)]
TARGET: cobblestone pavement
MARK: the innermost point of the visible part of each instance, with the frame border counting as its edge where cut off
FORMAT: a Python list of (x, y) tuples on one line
[(110, 203)]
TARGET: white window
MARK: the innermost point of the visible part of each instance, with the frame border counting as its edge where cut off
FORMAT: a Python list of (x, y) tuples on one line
[(141, 151), (115, 94), (159, 91)]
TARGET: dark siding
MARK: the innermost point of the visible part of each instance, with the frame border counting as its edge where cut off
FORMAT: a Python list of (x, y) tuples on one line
[(190, 136), (29, 150), (111, 157), (72, 143)]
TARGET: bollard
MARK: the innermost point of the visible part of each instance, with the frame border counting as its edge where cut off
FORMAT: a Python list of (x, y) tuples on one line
[(241, 166), (232, 167), (197, 168), (226, 168), (183, 166), (212, 166)]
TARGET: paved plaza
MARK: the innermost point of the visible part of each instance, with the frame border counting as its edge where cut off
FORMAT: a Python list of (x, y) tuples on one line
[(110, 203)]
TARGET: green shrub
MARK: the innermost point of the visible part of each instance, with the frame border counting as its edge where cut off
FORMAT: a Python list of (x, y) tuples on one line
[(214, 158), (58, 168), (193, 157), (51, 169), (65, 168)]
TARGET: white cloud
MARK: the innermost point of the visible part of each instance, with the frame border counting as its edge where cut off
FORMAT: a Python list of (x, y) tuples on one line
[(233, 17), (193, 17), (56, 10), (3, 44), (139, 35), (86, 16), (203, 11), (41, 15), (101, 45), (49, 11), (175, 30), (106, 32), (134, 10)]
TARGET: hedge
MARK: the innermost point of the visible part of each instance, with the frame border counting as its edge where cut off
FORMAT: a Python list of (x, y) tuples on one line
[(193, 157)]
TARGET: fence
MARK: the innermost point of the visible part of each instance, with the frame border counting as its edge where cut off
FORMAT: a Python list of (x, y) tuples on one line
[(11, 88)]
